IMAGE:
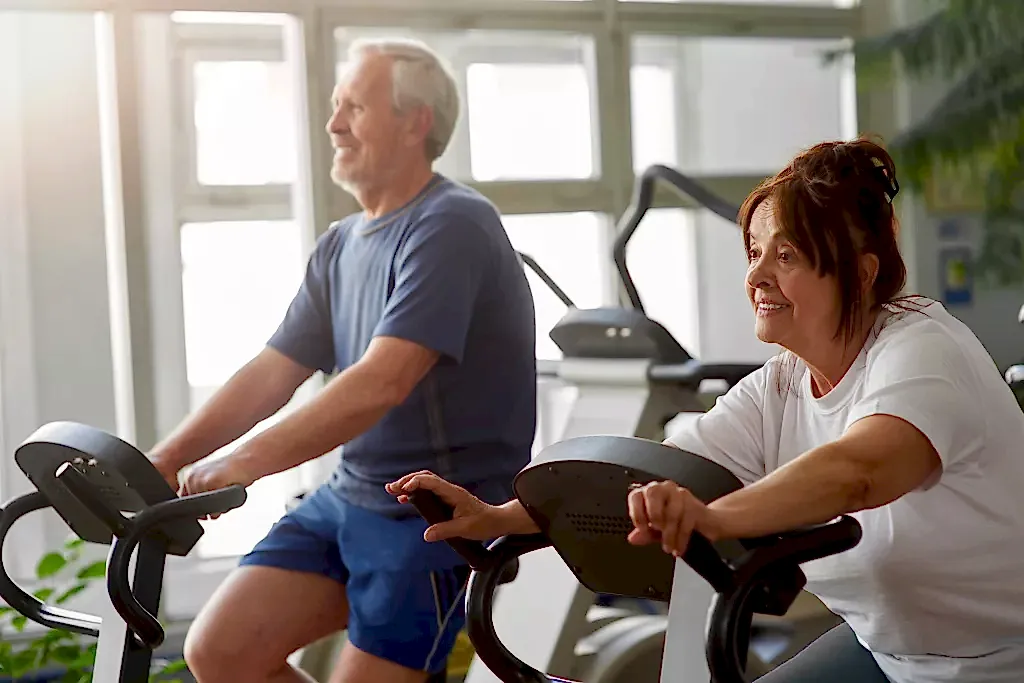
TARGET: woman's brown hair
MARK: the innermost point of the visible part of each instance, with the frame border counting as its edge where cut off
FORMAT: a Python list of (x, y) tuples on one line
[(834, 202)]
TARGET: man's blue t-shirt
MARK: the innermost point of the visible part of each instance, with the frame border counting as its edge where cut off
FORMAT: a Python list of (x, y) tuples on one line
[(440, 272)]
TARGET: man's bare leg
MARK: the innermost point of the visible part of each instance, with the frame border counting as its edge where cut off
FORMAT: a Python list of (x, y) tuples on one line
[(356, 666), (256, 619)]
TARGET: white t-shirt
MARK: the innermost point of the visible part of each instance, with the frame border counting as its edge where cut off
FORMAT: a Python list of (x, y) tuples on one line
[(935, 588)]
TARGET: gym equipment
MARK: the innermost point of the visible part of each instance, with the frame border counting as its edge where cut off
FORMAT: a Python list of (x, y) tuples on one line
[(1015, 373), (576, 492), (631, 377), (110, 494)]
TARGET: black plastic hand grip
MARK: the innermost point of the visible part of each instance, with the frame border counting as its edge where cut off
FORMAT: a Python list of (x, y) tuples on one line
[(143, 624), (434, 510), (705, 560), (802, 545), (25, 603)]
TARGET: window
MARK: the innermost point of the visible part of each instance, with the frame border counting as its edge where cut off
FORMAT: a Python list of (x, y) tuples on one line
[(528, 109), (740, 105), (727, 318), (244, 123), (235, 18), (237, 281), (653, 116), (568, 247), (530, 121), (662, 260), (825, 3)]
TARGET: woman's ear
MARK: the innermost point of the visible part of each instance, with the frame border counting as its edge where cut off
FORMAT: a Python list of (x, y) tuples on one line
[(868, 271)]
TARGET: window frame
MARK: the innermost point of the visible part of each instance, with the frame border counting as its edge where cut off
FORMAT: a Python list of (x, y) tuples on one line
[(194, 43)]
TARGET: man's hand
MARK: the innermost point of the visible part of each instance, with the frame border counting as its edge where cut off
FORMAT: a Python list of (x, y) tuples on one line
[(167, 469), (216, 474)]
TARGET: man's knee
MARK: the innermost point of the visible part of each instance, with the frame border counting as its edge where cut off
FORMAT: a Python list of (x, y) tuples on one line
[(258, 617), (209, 649)]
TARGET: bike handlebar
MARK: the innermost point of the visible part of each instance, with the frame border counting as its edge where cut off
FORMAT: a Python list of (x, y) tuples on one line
[(128, 533), (738, 584), (29, 605)]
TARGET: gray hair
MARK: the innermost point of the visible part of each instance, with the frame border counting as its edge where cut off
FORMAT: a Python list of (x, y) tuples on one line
[(420, 78)]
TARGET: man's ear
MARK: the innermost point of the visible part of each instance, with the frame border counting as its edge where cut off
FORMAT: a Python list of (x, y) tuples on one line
[(421, 122)]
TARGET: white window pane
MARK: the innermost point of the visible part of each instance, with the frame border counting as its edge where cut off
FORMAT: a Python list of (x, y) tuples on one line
[(528, 110), (825, 3), (569, 247), (661, 257), (530, 121), (245, 123), (726, 315), (203, 17), (745, 105), (237, 282), (653, 117)]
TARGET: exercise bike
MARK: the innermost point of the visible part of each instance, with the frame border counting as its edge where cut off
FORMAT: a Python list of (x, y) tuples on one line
[(111, 494), (576, 491)]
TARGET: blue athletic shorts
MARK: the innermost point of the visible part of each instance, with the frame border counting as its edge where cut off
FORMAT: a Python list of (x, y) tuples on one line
[(406, 596)]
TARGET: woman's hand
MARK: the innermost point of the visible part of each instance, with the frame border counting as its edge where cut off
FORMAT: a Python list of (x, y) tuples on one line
[(472, 518), (664, 512)]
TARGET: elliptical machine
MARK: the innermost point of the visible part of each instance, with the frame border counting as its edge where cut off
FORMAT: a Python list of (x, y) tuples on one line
[(92, 479), (576, 491)]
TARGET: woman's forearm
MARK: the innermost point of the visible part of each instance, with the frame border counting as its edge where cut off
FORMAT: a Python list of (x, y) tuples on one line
[(516, 520), (814, 489), (878, 459)]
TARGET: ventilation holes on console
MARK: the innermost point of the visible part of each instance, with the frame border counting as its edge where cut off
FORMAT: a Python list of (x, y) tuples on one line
[(599, 525)]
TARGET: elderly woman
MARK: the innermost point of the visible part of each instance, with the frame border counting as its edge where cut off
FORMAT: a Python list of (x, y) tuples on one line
[(883, 407)]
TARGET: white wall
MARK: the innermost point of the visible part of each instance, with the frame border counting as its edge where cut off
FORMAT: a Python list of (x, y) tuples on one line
[(57, 360)]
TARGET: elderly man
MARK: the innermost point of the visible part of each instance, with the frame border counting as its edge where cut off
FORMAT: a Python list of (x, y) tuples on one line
[(420, 304)]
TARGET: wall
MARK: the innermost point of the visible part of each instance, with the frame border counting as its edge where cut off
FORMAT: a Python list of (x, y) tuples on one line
[(57, 359)]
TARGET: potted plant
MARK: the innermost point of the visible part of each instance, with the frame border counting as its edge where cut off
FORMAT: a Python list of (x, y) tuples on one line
[(57, 656), (971, 143)]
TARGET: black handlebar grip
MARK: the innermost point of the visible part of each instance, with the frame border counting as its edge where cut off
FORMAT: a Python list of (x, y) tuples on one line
[(705, 560), (434, 510)]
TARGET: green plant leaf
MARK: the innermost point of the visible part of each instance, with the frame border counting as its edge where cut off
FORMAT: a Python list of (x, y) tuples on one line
[(6, 650), (67, 654), (19, 622), (945, 42), (85, 659), (23, 662), (74, 542), (43, 594), (70, 593), (174, 667), (50, 564), (96, 570)]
